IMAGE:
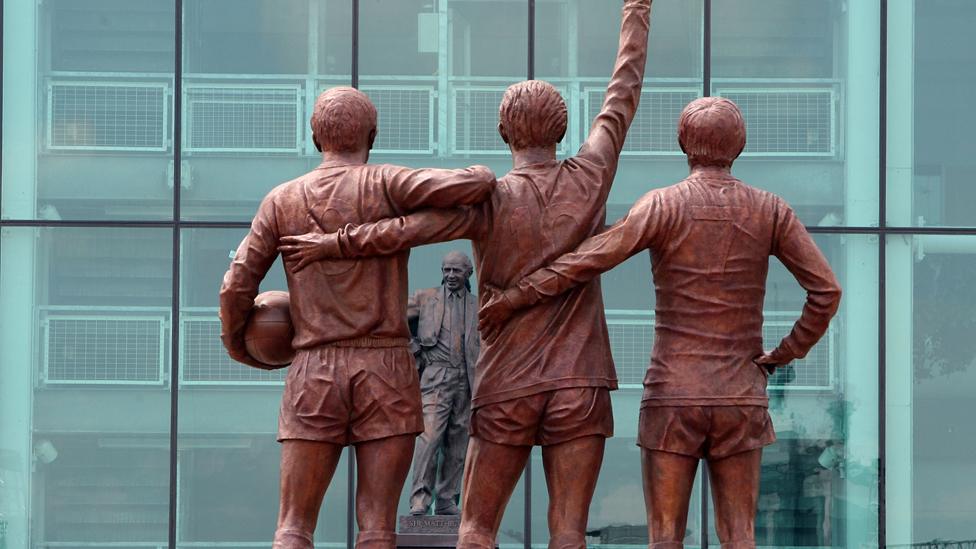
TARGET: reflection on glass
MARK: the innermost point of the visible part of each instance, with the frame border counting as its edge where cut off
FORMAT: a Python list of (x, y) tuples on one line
[(436, 72), (252, 72), (804, 75), (819, 479), (85, 386), (576, 43), (940, 368), (88, 121), (229, 459), (939, 131)]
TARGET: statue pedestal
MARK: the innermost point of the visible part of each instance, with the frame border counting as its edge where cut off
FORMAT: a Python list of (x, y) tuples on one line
[(420, 531)]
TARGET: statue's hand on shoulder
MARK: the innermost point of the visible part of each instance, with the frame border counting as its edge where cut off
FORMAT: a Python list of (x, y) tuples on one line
[(493, 315), (302, 250)]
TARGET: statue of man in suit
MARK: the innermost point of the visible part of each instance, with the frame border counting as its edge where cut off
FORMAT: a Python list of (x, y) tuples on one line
[(447, 346)]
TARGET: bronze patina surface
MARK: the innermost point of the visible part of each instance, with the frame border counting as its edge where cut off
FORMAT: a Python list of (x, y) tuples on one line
[(544, 378), (447, 345), (710, 237), (353, 380)]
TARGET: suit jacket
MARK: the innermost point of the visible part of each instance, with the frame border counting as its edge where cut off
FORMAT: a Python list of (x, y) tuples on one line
[(425, 310)]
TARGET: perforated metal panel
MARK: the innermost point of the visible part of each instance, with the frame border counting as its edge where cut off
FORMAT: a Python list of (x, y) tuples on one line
[(655, 127), (406, 118), (204, 360), (787, 122), (243, 118), (474, 120), (632, 339), (107, 116), (99, 349)]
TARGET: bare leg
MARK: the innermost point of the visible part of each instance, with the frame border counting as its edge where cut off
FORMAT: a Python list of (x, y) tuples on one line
[(306, 471), (735, 492), (490, 473), (572, 468), (382, 467), (668, 479)]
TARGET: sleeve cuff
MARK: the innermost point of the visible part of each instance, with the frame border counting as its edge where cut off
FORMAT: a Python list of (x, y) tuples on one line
[(516, 298)]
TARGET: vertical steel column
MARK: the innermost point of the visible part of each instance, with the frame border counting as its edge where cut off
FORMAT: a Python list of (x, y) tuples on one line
[(350, 451), (174, 355), (882, 268), (527, 475)]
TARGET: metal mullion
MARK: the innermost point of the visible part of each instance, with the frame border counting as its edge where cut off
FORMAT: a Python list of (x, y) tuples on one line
[(527, 472), (707, 49), (882, 270), (350, 453), (706, 92), (1, 108), (174, 332), (530, 63), (85, 223)]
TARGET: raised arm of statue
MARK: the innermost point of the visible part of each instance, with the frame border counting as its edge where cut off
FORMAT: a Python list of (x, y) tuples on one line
[(609, 129)]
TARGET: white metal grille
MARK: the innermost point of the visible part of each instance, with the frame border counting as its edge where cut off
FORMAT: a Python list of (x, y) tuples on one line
[(655, 127), (243, 118), (103, 349), (632, 339), (406, 118), (815, 371), (204, 360), (107, 116), (475, 120), (787, 122)]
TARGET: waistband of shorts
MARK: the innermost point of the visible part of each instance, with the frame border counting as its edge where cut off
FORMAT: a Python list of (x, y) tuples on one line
[(371, 342)]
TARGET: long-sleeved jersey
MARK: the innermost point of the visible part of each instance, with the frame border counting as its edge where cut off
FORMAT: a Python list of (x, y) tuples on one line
[(343, 299), (537, 213), (710, 242)]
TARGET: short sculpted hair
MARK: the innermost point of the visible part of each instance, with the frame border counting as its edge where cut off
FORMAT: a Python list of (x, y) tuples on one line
[(533, 114), (343, 120), (711, 132)]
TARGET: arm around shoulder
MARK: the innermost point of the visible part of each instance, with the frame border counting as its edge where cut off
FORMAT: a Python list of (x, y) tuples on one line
[(410, 189)]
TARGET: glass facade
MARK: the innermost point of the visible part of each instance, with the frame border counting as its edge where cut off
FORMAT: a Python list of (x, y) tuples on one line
[(123, 423)]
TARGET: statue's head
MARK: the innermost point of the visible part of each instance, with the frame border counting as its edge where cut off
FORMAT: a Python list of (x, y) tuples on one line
[(532, 115), (344, 121), (456, 269), (711, 132)]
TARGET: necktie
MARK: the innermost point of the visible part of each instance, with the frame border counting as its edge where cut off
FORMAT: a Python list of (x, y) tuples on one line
[(457, 330)]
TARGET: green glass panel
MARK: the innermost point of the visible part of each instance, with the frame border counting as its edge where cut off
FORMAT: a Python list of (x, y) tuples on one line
[(252, 70), (804, 75), (84, 386), (88, 114)]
